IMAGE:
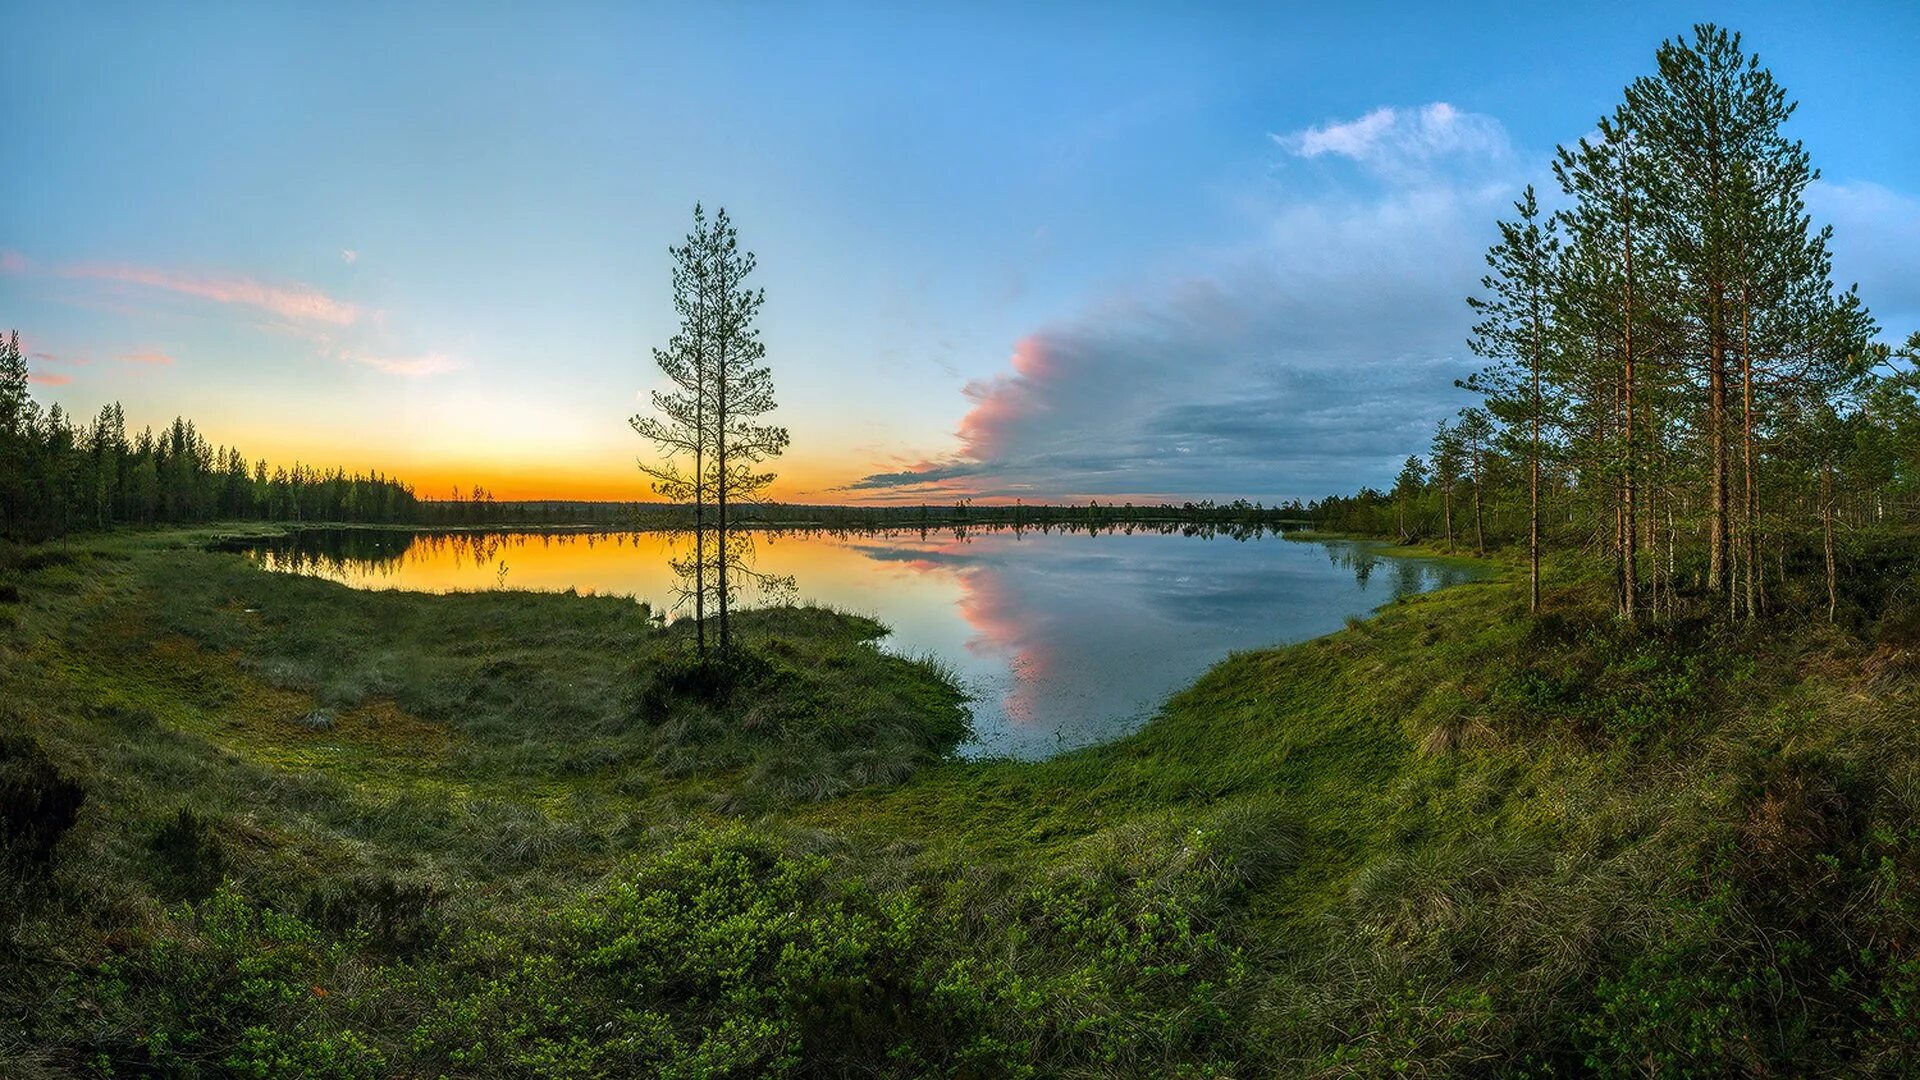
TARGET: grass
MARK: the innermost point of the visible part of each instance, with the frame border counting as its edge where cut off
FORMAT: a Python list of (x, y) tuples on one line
[(329, 832)]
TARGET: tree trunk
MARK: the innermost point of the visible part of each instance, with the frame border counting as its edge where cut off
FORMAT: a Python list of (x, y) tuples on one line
[(1619, 558), (1479, 534), (702, 343), (722, 480), (1717, 466), (1673, 558), (1629, 530), (1826, 522), (1533, 480), (1750, 495)]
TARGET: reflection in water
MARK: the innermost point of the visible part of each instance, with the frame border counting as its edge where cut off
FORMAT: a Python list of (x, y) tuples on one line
[(1064, 638)]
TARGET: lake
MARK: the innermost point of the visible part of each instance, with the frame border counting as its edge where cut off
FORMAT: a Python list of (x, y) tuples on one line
[(1063, 638)]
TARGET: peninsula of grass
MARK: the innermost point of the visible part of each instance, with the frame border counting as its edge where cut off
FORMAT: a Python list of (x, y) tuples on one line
[(263, 825)]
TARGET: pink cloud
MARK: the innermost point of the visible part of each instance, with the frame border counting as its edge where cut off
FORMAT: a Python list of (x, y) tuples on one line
[(48, 378), (1002, 406), (302, 303), (1004, 401), (50, 358), (145, 356), (12, 262)]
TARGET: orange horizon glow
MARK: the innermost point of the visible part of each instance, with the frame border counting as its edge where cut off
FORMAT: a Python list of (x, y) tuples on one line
[(602, 485)]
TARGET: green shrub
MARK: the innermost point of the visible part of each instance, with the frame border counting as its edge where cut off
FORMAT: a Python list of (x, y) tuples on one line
[(189, 853), (229, 988)]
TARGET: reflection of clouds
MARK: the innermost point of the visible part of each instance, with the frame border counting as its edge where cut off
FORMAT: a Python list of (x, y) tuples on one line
[(1090, 640), (1004, 629)]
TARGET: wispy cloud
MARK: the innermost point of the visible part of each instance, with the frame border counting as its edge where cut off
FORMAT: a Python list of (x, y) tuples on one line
[(412, 367), (296, 302), (337, 329), (349, 256), (1402, 143), (49, 378)]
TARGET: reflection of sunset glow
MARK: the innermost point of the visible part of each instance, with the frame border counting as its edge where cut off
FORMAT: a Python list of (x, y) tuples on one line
[(620, 564)]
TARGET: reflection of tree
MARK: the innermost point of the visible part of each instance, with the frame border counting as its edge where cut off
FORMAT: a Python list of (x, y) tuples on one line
[(1409, 577), (337, 553), (694, 560), (1356, 558), (379, 554)]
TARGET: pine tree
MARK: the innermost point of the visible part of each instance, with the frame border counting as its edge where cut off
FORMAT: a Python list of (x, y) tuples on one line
[(1515, 330), (1413, 477), (742, 388), (1710, 121), (1476, 438), (721, 389), (683, 430), (19, 423), (1445, 455)]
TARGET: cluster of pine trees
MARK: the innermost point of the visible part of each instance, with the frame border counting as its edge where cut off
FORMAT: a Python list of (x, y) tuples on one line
[(1675, 382), (59, 476)]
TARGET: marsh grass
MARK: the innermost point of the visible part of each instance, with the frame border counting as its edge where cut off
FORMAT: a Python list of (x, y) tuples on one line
[(534, 840)]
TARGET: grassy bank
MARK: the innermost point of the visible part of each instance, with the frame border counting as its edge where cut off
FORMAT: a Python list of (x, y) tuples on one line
[(266, 825)]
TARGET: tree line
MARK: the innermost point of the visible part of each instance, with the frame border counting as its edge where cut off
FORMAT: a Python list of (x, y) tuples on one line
[(59, 475), (1674, 383)]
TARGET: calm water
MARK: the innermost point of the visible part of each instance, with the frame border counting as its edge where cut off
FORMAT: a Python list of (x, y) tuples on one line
[(1063, 638)]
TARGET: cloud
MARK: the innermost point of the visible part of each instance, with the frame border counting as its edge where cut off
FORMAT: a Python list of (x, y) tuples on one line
[(349, 256), (1308, 358), (1400, 143), (412, 367), (49, 378), (914, 476), (296, 302), (1876, 242), (52, 358), (337, 329)]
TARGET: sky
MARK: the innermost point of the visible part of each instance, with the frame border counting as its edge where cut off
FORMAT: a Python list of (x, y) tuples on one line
[(1011, 251)]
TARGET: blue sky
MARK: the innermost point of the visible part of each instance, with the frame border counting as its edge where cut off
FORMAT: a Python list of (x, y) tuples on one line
[(1035, 251)]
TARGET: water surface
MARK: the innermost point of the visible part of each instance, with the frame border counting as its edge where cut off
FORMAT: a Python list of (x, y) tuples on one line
[(1062, 638)]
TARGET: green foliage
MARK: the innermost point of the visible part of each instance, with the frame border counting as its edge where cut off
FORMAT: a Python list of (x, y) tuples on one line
[(189, 853), (1636, 689), (230, 988), (1683, 1005), (726, 954)]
